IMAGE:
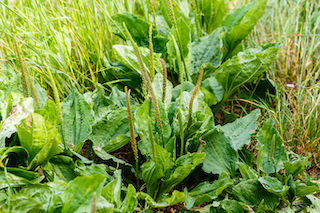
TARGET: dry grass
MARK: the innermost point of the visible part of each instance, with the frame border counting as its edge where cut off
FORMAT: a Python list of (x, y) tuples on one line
[(296, 71)]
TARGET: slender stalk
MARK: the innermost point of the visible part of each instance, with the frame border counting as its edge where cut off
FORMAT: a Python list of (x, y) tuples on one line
[(152, 140), (194, 93), (132, 137), (197, 18), (22, 68), (147, 81), (33, 91), (152, 8), (164, 79), (94, 203), (151, 53)]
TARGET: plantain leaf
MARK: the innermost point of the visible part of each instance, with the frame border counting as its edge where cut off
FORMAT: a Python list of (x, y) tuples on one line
[(274, 186), (127, 57), (273, 154), (240, 22), (239, 131), (205, 191), (243, 68), (213, 13), (116, 123), (49, 112), (77, 117), (252, 193), (220, 156), (295, 167), (19, 108), (40, 138), (247, 172), (79, 192), (207, 49), (20, 203)]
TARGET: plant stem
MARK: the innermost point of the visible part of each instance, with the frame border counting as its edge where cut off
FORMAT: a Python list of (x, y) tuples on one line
[(132, 137), (151, 53), (22, 68), (147, 81)]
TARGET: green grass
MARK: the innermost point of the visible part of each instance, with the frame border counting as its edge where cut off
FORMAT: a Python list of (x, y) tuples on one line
[(296, 72), (74, 39)]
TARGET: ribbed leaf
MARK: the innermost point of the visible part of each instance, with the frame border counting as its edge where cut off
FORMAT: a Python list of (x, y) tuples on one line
[(77, 117)]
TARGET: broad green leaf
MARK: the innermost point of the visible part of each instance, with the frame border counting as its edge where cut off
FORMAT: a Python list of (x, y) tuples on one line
[(141, 115), (58, 188), (108, 191), (62, 167), (3, 197), (243, 68), (84, 170), (205, 191), (76, 118), (150, 175), (181, 33), (116, 123), (184, 165), (186, 86), (127, 57), (200, 113), (212, 86), (242, 21), (220, 156), (247, 172), (117, 143), (119, 98), (232, 206), (175, 198), (106, 156), (112, 191), (49, 112), (15, 181), (20, 203), (213, 13), (41, 93), (240, 130), (157, 84), (103, 206), (19, 111), (40, 138), (29, 175), (98, 99), (315, 208), (42, 193), (303, 189), (138, 28), (274, 186), (120, 72), (273, 148), (130, 201), (153, 170), (207, 49), (295, 167), (13, 156), (252, 193), (12, 100), (79, 192)]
